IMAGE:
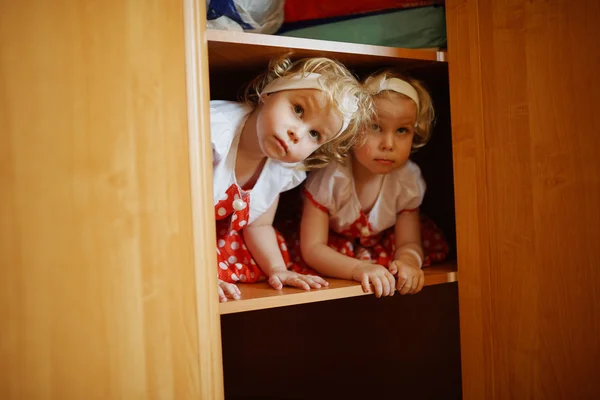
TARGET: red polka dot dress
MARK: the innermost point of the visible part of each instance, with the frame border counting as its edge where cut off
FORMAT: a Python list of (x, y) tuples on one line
[(370, 237), (235, 208)]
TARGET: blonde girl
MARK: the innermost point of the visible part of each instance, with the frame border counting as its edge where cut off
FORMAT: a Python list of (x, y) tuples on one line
[(361, 216), (298, 115)]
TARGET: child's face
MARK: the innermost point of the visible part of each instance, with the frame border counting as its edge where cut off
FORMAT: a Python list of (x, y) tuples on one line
[(389, 141), (292, 124)]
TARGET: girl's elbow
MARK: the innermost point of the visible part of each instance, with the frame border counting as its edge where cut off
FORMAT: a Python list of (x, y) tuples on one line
[(304, 250), (307, 251)]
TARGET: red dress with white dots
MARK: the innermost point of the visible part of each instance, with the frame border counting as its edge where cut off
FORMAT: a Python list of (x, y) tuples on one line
[(234, 207), (370, 237)]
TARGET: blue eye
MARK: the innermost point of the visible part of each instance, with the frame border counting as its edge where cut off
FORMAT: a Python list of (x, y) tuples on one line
[(402, 131), (298, 110), (315, 135), (374, 127)]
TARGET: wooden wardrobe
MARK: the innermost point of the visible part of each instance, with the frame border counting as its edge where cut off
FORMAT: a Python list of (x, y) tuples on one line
[(108, 285)]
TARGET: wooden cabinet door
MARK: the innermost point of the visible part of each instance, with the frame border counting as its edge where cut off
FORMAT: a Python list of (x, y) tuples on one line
[(524, 100), (104, 289)]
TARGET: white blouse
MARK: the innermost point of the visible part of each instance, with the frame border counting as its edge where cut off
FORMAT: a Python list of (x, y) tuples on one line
[(333, 188), (227, 118)]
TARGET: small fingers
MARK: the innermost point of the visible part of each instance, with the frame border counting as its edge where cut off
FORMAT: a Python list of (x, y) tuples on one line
[(393, 268), (298, 282), (401, 281), (293, 281), (407, 283), (392, 282), (413, 281), (421, 283), (230, 290), (222, 297), (415, 285), (365, 283), (377, 285), (275, 282), (310, 281), (385, 285), (319, 280)]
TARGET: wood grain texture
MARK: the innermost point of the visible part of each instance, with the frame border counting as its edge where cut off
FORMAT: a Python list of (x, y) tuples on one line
[(472, 228), (435, 159), (357, 348), (227, 48), (261, 296), (96, 249), (523, 97), (200, 151), (236, 58)]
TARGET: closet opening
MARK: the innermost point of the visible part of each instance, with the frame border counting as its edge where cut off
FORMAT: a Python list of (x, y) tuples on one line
[(235, 58), (294, 344)]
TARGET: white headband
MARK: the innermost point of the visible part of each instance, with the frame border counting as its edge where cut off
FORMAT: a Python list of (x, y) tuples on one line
[(397, 85), (347, 106)]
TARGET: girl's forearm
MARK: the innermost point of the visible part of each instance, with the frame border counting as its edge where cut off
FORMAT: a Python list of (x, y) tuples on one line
[(262, 244), (314, 233), (329, 262), (408, 238)]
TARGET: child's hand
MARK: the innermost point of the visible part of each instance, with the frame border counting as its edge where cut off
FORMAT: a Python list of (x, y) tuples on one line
[(410, 277), (228, 290), (382, 280), (278, 279)]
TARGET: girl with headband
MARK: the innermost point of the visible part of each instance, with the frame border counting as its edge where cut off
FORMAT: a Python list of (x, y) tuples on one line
[(361, 217), (297, 116)]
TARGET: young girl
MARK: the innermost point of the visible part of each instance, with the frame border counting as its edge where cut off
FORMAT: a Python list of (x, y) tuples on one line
[(299, 114), (361, 217)]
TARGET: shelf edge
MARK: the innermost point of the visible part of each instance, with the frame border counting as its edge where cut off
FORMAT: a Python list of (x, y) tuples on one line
[(258, 39), (304, 297)]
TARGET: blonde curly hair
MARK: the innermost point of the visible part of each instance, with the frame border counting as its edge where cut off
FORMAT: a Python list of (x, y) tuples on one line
[(425, 111), (338, 83)]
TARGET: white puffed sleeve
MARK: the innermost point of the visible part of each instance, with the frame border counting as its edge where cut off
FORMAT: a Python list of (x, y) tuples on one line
[(410, 187), (329, 187), (226, 118), (295, 178), (274, 179)]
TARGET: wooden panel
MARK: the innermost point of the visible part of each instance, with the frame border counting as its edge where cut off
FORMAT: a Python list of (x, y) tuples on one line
[(472, 229), (523, 96), (237, 57), (356, 348), (261, 296), (435, 159), (96, 237), (228, 49), (200, 155)]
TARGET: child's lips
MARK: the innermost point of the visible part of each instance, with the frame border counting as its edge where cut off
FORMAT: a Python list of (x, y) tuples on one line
[(384, 161), (282, 144)]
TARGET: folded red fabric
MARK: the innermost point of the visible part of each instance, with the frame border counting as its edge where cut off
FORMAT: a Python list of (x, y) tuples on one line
[(303, 10)]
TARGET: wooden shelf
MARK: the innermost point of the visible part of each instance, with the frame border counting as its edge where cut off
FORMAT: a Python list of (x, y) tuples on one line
[(226, 50), (260, 296)]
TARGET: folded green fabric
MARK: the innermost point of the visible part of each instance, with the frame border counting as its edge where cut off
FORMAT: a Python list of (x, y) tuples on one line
[(410, 28)]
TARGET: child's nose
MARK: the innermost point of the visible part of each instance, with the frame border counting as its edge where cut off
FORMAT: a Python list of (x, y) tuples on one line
[(387, 142), (294, 135)]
